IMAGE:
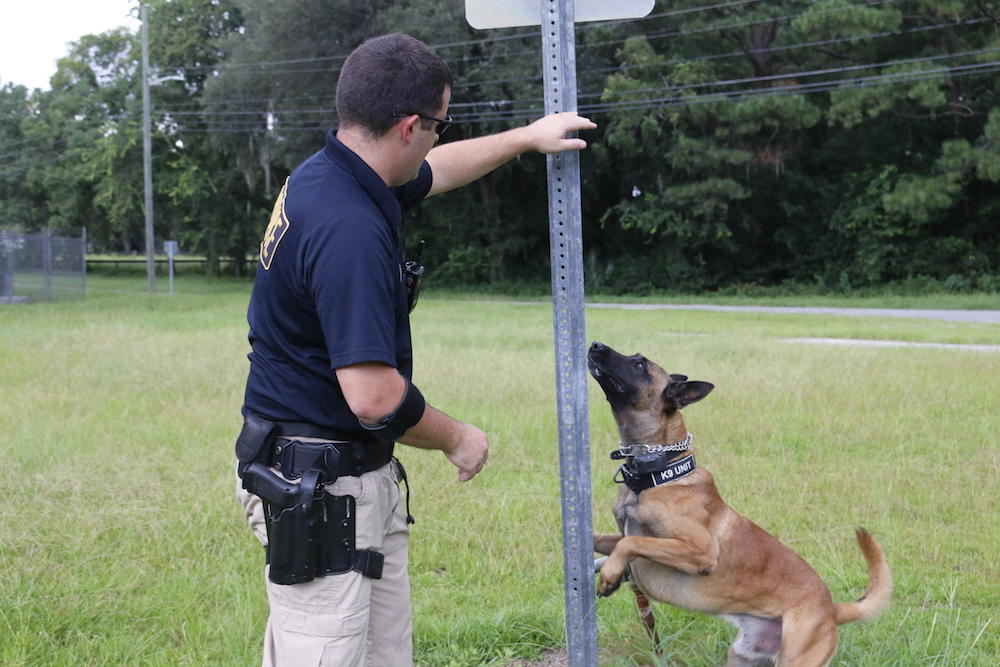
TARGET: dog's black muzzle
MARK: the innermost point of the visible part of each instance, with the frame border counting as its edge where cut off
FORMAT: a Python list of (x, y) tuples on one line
[(611, 369)]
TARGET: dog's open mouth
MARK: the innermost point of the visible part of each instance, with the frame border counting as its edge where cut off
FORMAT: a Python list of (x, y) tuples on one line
[(609, 381), (606, 380)]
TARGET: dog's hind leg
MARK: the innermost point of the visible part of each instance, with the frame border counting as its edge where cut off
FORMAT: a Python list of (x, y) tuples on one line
[(807, 640), (604, 543)]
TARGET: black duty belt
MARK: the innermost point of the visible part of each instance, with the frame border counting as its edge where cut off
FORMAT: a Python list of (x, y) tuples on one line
[(306, 430), (335, 459)]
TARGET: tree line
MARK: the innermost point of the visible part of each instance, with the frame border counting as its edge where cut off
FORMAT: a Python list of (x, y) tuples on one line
[(835, 143)]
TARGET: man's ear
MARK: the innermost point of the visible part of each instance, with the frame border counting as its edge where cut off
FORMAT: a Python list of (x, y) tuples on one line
[(405, 127), (682, 393)]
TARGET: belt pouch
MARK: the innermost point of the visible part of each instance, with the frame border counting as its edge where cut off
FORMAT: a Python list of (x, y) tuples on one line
[(255, 439), (294, 534)]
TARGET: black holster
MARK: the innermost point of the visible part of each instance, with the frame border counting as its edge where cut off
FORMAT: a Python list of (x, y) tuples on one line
[(310, 533)]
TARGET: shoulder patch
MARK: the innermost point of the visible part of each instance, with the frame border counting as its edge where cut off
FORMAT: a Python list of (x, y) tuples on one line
[(276, 229)]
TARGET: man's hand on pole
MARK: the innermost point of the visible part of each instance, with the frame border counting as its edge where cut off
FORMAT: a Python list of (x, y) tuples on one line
[(548, 133)]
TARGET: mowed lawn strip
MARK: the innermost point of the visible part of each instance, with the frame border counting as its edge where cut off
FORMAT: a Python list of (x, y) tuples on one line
[(121, 542)]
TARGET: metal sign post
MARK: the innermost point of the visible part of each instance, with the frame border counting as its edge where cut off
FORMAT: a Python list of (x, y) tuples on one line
[(170, 247), (566, 254), (147, 154), (557, 18)]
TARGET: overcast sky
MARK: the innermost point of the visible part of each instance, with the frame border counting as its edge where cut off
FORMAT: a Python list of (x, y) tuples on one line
[(36, 33)]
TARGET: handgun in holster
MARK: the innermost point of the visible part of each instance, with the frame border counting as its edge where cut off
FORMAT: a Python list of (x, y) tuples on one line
[(310, 532)]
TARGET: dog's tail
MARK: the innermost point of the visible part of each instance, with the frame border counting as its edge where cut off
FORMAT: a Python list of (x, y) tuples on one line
[(876, 599)]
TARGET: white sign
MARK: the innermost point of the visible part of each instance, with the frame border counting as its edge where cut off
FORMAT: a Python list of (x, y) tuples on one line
[(484, 14), (171, 248)]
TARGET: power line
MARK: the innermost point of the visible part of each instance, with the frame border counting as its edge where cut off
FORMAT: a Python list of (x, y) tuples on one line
[(278, 113), (473, 42), (824, 86), (31, 150), (821, 72), (684, 101), (679, 33), (713, 56), (21, 166), (26, 140), (826, 42), (281, 115), (232, 67)]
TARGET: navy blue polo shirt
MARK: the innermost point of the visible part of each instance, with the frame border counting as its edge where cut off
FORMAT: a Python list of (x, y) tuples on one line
[(329, 290)]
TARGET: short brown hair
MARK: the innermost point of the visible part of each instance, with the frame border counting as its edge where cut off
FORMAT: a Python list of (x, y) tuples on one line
[(387, 77)]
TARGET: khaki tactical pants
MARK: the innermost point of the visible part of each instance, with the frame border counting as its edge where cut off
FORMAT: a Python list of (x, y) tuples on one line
[(345, 620)]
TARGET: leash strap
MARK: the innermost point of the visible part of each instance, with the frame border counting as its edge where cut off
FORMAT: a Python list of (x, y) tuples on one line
[(406, 481)]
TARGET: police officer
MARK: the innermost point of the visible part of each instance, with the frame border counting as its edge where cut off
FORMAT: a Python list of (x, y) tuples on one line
[(329, 389)]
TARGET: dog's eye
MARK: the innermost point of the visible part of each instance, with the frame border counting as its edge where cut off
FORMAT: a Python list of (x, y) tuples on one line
[(641, 365)]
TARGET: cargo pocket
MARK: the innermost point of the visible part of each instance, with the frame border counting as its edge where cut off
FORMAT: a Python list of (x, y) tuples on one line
[(370, 510), (341, 623), (333, 606)]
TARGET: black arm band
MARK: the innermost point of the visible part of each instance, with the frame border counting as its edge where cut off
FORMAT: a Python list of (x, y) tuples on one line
[(409, 411)]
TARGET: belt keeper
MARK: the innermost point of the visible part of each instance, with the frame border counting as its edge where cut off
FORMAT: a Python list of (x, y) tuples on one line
[(369, 563)]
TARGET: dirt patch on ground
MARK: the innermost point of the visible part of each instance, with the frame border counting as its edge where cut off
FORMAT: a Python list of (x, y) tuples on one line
[(554, 658)]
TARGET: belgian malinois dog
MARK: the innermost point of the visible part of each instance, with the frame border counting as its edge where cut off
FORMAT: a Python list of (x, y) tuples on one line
[(683, 545)]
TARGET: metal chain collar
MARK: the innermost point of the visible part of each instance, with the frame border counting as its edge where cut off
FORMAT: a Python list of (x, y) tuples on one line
[(679, 446)]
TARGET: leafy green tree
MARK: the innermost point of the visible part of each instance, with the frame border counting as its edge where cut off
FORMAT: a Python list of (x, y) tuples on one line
[(17, 154), (88, 125), (205, 202), (836, 142), (840, 142)]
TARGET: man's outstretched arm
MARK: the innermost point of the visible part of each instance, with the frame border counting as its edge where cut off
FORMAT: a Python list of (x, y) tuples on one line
[(460, 162)]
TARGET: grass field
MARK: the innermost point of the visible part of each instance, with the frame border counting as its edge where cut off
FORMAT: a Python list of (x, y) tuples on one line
[(121, 542)]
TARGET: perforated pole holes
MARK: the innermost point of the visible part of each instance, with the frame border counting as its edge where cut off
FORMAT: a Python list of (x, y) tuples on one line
[(566, 256)]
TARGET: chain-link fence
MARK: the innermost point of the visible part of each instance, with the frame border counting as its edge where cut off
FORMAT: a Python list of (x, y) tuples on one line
[(41, 267)]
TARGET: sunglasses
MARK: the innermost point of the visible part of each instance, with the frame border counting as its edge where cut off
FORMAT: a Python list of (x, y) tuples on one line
[(442, 123)]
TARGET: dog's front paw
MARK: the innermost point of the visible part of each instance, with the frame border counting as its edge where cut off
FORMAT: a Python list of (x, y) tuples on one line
[(610, 579)]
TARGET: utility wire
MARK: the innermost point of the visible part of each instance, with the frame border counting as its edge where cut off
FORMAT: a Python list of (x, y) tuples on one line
[(743, 95), (509, 80), (26, 140), (232, 67), (712, 56), (474, 42), (688, 101), (32, 150), (278, 113), (22, 166), (820, 72)]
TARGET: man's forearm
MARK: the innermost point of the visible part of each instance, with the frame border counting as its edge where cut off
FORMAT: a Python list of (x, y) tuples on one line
[(374, 390), (435, 430), (460, 162), (464, 445)]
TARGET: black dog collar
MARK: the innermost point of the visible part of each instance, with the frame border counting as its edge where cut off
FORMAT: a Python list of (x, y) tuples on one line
[(639, 482)]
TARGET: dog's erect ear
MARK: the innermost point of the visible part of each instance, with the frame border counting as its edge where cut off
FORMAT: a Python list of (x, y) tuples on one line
[(681, 393), (677, 377)]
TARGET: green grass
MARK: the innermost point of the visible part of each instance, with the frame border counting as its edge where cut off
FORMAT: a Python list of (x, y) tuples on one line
[(121, 542)]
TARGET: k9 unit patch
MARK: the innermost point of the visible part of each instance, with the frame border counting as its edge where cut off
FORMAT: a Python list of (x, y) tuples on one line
[(276, 229)]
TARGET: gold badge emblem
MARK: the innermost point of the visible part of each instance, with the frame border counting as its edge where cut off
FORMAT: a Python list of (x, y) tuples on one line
[(276, 229)]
